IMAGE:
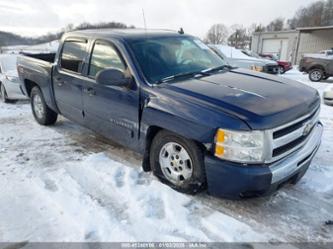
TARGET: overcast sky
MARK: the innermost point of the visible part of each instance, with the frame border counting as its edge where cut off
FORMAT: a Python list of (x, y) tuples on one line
[(37, 17)]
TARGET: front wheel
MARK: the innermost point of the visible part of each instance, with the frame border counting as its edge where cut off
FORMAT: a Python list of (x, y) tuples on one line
[(178, 162), (316, 75), (42, 113), (281, 70)]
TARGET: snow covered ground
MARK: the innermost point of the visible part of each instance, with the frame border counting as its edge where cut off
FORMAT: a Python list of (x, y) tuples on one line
[(65, 183), (49, 47)]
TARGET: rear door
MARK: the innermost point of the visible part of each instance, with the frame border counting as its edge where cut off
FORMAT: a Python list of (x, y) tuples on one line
[(110, 110), (67, 79)]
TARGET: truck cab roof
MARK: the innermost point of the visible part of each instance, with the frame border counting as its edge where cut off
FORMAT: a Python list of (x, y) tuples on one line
[(125, 34)]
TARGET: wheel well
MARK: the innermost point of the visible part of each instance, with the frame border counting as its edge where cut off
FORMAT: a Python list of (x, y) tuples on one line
[(151, 133), (317, 67), (29, 85)]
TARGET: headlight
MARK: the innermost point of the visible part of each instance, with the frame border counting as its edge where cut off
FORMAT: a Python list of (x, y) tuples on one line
[(257, 68), (243, 147), (11, 78)]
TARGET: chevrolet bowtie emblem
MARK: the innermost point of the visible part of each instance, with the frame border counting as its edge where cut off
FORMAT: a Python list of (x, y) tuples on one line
[(307, 129)]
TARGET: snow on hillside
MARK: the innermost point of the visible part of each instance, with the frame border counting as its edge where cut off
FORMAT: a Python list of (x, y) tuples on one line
[(39, 48), (65, 183)]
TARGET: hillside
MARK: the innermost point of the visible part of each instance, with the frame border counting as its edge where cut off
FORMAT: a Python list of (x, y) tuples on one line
[(10, 39)]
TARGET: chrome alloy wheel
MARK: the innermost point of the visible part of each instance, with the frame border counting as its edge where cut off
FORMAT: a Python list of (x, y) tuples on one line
[(175, 162), (38, 106), (316, 75)]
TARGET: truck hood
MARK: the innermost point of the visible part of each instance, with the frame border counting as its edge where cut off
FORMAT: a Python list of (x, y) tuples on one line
[(260, 61), (261, 100)]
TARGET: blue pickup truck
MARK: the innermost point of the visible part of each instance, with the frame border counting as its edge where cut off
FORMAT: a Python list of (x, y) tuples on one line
[(198, 123)]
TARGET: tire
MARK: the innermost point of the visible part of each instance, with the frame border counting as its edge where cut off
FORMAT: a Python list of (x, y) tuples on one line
[(316, 75), (42, 113), (281, 70), (3, 94), (186, 158)]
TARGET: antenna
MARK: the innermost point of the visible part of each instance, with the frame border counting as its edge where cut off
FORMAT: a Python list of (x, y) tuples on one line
[(144, 19)]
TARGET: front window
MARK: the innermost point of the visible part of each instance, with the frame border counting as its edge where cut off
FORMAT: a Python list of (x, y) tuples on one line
[(160, 58), (105, 56)]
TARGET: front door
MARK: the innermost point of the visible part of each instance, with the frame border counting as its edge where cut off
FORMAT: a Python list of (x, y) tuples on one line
[(110, 110), (67, 79)]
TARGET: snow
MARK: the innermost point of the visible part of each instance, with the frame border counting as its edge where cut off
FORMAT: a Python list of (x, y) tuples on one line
[(231, 52), (65, 183), (49, 47), (319, 56)]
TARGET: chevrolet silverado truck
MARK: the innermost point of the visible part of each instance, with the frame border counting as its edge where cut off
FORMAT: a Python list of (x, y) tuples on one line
[(318, 66), (198, 123)]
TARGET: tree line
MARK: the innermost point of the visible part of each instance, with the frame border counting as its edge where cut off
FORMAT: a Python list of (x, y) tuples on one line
[(10, 39), (319, 13)]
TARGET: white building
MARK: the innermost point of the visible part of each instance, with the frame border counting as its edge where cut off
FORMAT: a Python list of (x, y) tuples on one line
[(291, 45)]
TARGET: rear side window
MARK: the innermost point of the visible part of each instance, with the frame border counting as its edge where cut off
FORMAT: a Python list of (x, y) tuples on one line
[(72, 56), (105, 56)]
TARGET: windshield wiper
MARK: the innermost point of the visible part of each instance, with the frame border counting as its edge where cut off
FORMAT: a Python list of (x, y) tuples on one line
[(182, 75), (215, 69)]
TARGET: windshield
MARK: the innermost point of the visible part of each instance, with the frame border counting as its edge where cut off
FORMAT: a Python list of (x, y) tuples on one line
[(8, 63), (160, 58)]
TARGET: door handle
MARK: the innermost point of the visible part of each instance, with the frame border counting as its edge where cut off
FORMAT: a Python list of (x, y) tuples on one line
[(90, 91), (60, 81)]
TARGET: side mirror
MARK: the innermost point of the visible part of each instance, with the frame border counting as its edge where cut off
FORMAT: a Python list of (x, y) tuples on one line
[(112, 77)]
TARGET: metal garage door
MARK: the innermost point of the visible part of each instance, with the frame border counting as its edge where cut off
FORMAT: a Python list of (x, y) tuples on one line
[(277, 47)]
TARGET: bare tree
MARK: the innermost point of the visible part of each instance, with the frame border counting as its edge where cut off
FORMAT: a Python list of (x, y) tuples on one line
[(217, 34), (240, 38), (276, 25), (319, 13), (327, 17), (255, 28)]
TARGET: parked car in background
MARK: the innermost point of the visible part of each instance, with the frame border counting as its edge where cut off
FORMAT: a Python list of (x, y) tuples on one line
[(318, 66), (9, 80), (197, 122), (326, 52), (236, 58), (328, 95), (284, 66)]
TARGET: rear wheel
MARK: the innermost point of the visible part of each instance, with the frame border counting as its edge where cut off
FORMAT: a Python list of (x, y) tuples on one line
[(178, 162), (42, 113), (3, 94), (316, 75)]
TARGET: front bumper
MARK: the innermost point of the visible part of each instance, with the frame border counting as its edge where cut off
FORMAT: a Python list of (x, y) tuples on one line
[(288, 68), (328, 101), (328, 98), (235, 181), (271, 69)]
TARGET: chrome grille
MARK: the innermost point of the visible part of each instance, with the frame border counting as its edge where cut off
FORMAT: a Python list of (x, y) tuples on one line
[(292, 136)]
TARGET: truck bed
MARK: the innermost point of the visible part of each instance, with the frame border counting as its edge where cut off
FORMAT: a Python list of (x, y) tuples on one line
[(49, 57), (37, 68)]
